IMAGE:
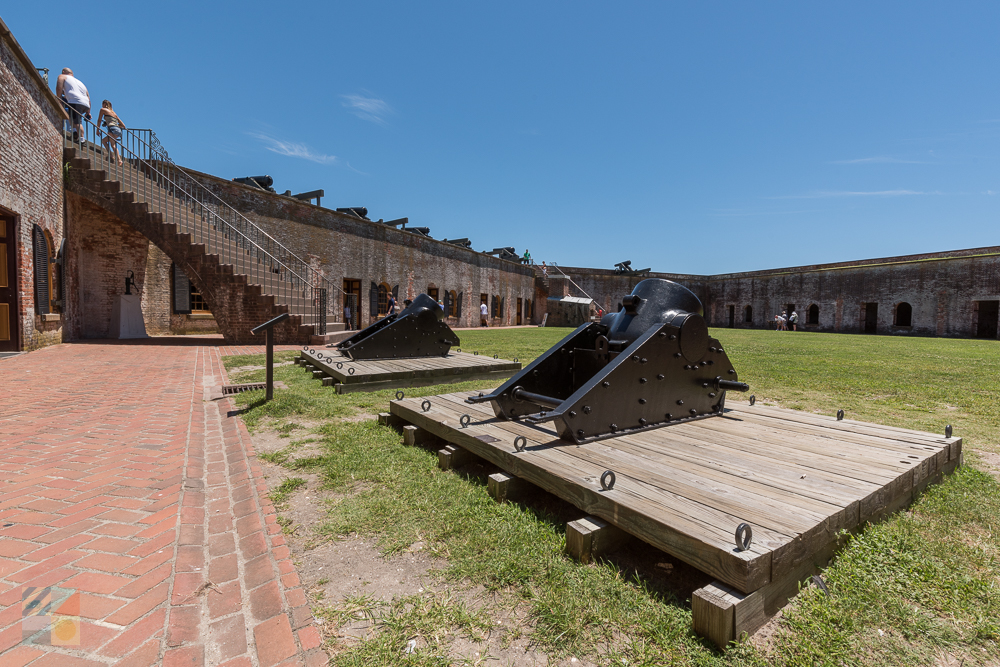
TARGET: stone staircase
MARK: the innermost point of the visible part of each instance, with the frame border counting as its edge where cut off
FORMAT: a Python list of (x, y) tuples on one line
[(245, 276)]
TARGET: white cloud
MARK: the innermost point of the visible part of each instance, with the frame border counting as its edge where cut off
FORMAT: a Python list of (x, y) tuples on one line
[(878, 160), (854, 193), (292, 149), (367, 108)]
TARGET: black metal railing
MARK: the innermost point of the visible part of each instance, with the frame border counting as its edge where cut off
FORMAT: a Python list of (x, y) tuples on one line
[(142, 167)]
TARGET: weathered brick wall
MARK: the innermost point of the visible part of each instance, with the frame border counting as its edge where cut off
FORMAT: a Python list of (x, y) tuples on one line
[(30, 178), (101, 249), (342, 247), (942, 289), (157, 301)]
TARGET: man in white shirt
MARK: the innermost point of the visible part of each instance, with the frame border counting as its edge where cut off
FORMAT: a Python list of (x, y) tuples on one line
[(484, 314), (71, 89)]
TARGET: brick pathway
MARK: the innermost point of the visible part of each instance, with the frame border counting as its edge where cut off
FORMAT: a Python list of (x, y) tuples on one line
[(141, 508)]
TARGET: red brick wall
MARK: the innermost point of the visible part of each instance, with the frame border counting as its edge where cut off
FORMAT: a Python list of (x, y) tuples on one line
[(340, 246), (31, 186), (101, 249)]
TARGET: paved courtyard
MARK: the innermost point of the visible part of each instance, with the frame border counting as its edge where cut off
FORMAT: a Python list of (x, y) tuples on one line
[(135, 527)]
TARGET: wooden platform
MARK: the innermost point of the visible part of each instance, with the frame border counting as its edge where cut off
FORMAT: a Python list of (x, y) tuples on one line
[(348, 376), (798, 479)]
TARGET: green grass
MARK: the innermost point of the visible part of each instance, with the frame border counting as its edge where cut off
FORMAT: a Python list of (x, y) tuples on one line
[(922, 584)]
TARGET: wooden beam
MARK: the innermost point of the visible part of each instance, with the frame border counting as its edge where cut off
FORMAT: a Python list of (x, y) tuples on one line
[(590, 538), (452, 457), (503, 487)]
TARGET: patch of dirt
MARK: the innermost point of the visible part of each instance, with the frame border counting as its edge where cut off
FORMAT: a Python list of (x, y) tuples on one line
[(246, 369), (990, 461)]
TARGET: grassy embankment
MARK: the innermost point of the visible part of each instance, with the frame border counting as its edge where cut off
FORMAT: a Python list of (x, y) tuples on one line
[(921, 587)]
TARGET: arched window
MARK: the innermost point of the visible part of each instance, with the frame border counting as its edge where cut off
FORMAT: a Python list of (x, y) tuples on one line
[(904, 315), (748, 314), (812, 314), (383, 299), (432, 292), (453, 304)]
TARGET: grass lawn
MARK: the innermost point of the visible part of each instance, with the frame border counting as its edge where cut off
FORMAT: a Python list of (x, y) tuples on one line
[(920, 588)]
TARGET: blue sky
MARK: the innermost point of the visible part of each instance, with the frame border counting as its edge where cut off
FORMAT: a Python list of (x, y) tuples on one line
[(692, 138)]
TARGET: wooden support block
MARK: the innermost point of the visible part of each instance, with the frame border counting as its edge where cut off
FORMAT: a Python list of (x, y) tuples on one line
[(414, 435), (503, 487), (452, 457), (722, 614), (389, 419), (590, 538), (319, 374), (328, 382)]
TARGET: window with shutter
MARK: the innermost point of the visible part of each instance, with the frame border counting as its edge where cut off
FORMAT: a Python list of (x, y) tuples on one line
[(494, 306), (383, 299), (395, 292), (458, 310), (502, 301), (182, 291), (373, 300), (448, 303), (41, 256)]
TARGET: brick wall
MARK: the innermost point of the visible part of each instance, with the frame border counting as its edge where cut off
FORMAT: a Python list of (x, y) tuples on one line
[(31, 188), (101, 249), (943, 290), (343, 247)]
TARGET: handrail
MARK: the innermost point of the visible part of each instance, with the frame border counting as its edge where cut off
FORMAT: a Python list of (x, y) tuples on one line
[(162, 153), (177, 202), (576, 286)]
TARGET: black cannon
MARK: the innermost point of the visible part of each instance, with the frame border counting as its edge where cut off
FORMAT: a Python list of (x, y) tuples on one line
[(507, 253), (262, 182), (417, 331), (423, 231), (356, 211), (462, 243), (625, 268), (648, 365)]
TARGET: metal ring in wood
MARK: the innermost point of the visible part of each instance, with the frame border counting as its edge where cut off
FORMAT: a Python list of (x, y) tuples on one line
[(400, 394), (458, 349), (520, 442), (753, 399), (947, 431), (744, 536), (340, 365), (840, 415), (476, 353), (608, 480), (495, 356), (464, 420), (425, 406), (305, 348), (350, 371)]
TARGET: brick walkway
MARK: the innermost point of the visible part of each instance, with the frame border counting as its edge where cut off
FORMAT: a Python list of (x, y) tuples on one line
[(140, 508)]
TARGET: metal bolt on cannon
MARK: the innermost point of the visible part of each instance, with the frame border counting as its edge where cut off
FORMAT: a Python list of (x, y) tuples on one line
[(649, 365)]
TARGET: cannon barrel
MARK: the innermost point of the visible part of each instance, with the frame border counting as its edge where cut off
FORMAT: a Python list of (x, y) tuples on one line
[(262, 182), (358, 211)]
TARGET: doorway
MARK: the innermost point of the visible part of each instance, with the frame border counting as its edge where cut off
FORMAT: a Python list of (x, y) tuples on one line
[(8, 286), (520, 306), (986, 324), (871, 318), (732, 316), (352, 300)]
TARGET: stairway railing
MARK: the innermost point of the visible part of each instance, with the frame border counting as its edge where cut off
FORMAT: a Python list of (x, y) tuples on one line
[(148, 171)]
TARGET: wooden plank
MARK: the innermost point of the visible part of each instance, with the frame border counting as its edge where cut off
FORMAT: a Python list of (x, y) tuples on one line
[(790, 531), (344, 388), (667, 527)]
